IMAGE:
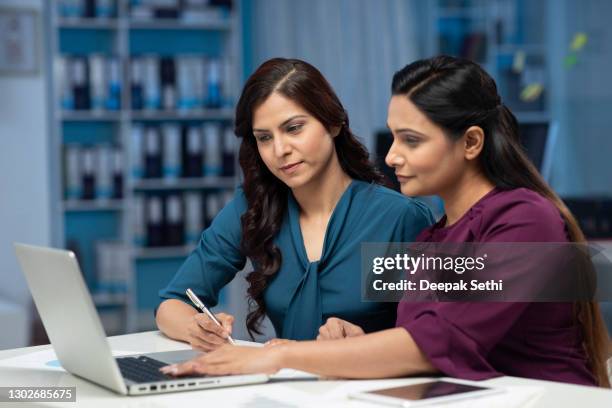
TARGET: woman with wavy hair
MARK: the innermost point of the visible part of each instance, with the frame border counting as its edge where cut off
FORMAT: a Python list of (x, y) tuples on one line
[(310, 197), (452, 136)]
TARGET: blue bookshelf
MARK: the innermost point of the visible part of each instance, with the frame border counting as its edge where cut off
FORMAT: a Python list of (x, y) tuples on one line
[(89, 223)]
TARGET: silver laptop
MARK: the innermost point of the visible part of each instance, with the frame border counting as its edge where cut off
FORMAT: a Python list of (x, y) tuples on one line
[(76, 333)]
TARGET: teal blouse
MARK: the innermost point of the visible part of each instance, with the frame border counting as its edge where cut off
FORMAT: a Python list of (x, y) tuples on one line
[(302, 294)]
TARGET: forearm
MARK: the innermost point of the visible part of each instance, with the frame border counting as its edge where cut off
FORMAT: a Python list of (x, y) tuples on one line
[(173, 317), (389, 353)]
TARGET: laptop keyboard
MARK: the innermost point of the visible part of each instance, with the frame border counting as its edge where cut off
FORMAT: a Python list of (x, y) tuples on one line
[(142, 369)]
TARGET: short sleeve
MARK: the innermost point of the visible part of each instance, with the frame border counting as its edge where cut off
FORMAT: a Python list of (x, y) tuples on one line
[(216, 259)]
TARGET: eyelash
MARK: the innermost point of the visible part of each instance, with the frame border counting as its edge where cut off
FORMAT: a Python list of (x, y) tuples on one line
[(410, 141), (295, 128), (291, 129)]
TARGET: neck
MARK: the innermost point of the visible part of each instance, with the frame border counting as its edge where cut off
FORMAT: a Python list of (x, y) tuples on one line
[(464, 194), (319, 197)]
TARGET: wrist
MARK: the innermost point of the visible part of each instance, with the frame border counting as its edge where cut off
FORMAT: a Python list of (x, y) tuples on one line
[(282, 355)]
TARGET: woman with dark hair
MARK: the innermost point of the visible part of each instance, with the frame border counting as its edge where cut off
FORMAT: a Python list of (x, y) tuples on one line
[(454, 137), (310, 196)]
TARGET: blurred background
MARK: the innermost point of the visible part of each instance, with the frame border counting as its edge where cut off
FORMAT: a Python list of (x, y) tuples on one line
[(116, 119)]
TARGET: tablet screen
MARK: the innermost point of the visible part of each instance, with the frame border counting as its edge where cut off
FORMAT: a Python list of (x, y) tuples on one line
[(431, 389)]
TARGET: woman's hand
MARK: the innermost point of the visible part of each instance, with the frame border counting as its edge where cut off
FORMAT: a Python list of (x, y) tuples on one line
[(206, 335), (228, 360), (335, 328)]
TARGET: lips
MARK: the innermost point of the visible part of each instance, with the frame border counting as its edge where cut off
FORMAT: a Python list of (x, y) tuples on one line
[(290, 167), (401, 178)]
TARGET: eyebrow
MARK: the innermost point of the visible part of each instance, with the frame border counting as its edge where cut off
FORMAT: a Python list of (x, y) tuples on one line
[(408, 130), (282, 124)]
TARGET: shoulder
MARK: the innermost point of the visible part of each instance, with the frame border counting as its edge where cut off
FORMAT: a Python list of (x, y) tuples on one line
[(239, 201), (381, 199), (526, 213), (234, 208)]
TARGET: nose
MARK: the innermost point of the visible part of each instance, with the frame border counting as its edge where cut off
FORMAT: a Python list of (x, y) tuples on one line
[(281, 146), (393, 159)]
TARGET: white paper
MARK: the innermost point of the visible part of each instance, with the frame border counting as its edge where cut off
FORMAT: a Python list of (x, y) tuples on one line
[(44, 360)]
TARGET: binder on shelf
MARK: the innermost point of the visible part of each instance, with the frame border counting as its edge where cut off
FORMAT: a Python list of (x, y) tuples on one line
[(168, 83), (189, 82), (212, 149), (193, 157), (72, 169), (80, 84), (199, 81), (64, 83), (153, 153), (227, 86), (137, 83), (172, 150), (137, 151), (139, 229), (113, 268), (155, 221), (174, 228), (88, 177), (105, 9), (103, 178), (97, 82), (193, 217), (152, 92), (213, 85), (113, 100), (229, 152), (117, 174), (71, 8)]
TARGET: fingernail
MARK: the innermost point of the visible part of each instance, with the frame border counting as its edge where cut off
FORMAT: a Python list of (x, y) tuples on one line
[(169, 369)]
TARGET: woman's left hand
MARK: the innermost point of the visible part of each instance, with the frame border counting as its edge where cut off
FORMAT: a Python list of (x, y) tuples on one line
[(228, 360)]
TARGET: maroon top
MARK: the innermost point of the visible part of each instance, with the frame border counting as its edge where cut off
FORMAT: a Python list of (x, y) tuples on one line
[(477, 341)]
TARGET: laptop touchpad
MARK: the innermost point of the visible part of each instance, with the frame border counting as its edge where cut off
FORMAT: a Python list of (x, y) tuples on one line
[(177, 356)]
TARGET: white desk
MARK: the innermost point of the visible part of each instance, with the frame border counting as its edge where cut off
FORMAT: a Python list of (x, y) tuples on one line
[(264, 395)]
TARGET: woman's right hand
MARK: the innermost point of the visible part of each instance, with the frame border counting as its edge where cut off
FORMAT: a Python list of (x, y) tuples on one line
[(206, 335), (335, 328)]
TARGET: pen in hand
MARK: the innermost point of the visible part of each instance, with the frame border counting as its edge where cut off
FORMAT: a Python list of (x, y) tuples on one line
[(200, 305)]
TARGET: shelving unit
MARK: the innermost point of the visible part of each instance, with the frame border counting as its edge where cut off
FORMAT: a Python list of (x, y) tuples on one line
[(83, 225), (94, 205), (493, 33), (184, 183), (165, 115), (212, 25), (163, 252)]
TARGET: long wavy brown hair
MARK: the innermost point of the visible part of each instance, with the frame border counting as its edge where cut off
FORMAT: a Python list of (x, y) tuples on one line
[(266, 195), (456, 94)]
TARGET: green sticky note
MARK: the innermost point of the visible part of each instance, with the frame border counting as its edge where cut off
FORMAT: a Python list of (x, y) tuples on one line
[(518, 61), (531, 92), (579, 41), (570, 60)]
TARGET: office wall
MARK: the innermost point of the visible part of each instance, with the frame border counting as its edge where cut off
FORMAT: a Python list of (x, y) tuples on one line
[(581, 97), (25, 209), (356, 44)]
